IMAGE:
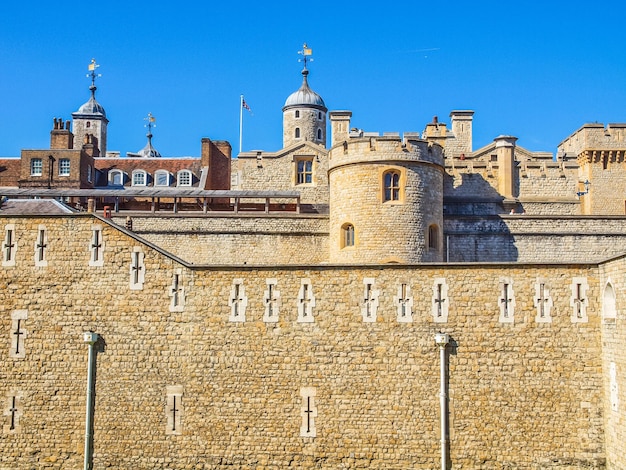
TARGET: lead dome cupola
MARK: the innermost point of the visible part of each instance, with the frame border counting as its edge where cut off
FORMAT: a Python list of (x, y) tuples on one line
[(92, 106), (304, 96)]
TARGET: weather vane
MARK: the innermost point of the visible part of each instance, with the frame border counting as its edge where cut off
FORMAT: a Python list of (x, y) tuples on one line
[(305, 52), (92, 72), (151, 122)]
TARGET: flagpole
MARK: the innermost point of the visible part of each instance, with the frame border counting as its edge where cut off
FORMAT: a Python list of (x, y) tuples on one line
[(240, 121)]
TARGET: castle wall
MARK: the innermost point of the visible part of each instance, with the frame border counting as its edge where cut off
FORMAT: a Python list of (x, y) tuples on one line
[(527, 238), (238, 240), (614, 362), (262, 171), (522, 394)]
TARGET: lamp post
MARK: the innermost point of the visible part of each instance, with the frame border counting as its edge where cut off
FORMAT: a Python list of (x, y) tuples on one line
[(90, 338), (442, 340)]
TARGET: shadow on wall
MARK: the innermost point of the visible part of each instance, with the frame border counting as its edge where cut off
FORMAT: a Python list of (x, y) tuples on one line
[(474, 230)]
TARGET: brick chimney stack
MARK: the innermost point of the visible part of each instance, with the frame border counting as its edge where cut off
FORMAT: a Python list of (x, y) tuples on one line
[(60, 136)]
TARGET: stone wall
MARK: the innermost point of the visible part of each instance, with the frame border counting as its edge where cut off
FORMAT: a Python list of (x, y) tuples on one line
[(614, 360), (238, 239), (527, 238), (522, 394)]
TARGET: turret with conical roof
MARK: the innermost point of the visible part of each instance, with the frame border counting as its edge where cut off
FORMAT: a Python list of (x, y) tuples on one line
[(304, 112), (90, 119)]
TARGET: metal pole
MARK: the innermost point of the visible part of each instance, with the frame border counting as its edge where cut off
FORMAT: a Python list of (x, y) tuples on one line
[(90, 338), (442, 340)]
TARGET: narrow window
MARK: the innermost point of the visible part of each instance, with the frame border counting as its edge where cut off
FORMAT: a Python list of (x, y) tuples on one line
[(96, 246), (543, 302), (308, 412), (440, 301), (297, 114), (36, 167), (578, 300), (319, 115), (433, 237), (319, 134), (404, 302), (391, 181), (9, 246), (137, 269), (174, 410), (41, 245), (237, 302), (64, 167), (347, 235), (297, 133), (306, 302), (304, 171), (177, 292), (506, 301), (89, 171), (13, 413), (370, 301), (271, 300), (18, 334), (609, 311)]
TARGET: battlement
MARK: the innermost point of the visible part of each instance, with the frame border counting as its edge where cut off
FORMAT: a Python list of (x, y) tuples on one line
[(386, 147), (593, 136)]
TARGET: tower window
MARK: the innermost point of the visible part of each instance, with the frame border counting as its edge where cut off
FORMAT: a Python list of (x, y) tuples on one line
[(433, 237), (297, 133), (319, 134), (304, 171), (297, 113), (36, 167), (391, 181), (88, 125), (347, 235), (319, 115)]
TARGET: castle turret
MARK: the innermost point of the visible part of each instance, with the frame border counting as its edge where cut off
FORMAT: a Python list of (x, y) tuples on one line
[(340, 126), (91, 118), (386, 200), (304, 114)]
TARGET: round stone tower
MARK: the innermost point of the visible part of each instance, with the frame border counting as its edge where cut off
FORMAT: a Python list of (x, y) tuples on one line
[(304, 116), (386, 200)]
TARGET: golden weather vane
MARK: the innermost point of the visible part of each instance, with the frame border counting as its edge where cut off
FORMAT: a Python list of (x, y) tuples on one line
[(306, 52)]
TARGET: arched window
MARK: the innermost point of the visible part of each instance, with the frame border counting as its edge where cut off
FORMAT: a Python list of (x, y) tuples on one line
[(608, 301), (116, 177), (433, 237), (319, 134), (319, 115), (347, 235), (88, 125), (297, 133), (391, 182), (162, 178), (184, 178), (139, 178), (297, 113)]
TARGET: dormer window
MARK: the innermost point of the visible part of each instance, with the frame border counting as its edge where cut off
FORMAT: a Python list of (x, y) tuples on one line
[(162, 178), (139, 178), (116, 178), (184, 178)]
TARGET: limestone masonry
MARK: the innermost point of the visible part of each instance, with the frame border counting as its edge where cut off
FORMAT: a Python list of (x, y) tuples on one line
[(279, 309)]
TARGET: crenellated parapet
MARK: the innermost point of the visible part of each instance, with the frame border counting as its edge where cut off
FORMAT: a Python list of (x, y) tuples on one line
[(387, 147)]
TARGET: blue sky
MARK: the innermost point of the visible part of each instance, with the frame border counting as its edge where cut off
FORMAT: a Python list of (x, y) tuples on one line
[(535, 70)]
